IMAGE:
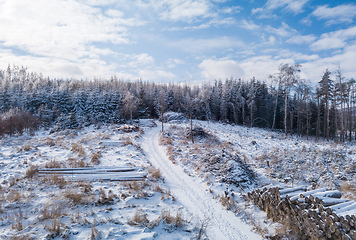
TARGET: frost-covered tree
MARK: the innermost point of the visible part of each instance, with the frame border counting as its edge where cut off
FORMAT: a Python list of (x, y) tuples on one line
[(130, 103)]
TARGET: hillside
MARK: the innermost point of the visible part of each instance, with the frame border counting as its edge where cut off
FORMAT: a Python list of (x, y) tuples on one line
[(192, 190)]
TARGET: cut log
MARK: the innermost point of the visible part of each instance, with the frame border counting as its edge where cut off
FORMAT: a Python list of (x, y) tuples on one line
[(343, 207), (352, 234), (331, 194), (332, 201), (290, 190)]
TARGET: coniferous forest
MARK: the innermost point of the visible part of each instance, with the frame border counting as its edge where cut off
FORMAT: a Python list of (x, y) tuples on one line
[(287, 103)]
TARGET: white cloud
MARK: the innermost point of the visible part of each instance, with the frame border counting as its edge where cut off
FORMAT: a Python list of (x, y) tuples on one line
[(249, 25), (58, 68), (230, 10), (220, 69), (63, 29), (302, 39), (216, 22), (173, 62), (287, 5), (284, 31), (202, 45), (312, 68), (156, 75), (143, 59), (346, 58), (334, 40), (306, 21), (262, 66), (339, 14), (183, 10)]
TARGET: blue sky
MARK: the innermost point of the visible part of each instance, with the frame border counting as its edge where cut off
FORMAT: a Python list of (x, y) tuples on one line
[(178, 40)]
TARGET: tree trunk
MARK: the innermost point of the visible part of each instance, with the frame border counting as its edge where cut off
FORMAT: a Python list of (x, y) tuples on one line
[(275, 109), (318, 121), (285, 111)]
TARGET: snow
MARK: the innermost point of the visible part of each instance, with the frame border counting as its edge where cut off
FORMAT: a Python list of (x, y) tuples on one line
[(29, 207), (198, 179), (192, 194)]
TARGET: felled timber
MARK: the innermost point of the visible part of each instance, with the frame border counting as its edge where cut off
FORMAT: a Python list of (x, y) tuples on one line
[(99, 173), (316, 214)]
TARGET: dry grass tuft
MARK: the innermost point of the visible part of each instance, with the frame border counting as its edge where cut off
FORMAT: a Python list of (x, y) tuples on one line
[(348, 190), (53, 164), (50, 141), (202, 229), (227, 202), (158, 188), (74, 162), (13, 181), (31, 172), (75, 197), (95, 233), (54, 179), (14, 196), (86, 187), (171, 154), (94, 159), (135, 185), (176, 221), (139, 219), (105, 199), (166, 194), (154, 173), (51, 211), (25, 148), (77, 148), (55, 228), (127, 141), (17, 219), (165, 140)]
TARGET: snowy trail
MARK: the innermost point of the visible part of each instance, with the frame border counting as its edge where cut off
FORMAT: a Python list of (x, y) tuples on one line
[(193, 195)]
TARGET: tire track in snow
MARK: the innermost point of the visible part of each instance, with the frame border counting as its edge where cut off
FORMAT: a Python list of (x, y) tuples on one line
[(192, 194)]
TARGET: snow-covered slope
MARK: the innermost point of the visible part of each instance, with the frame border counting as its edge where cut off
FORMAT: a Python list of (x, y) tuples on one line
[(193, 194), (199, 184)]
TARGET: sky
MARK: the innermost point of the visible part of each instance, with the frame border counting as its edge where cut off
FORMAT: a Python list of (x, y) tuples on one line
[(169, 41)]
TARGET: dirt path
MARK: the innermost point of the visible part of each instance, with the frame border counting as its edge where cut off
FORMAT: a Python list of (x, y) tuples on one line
[(193, 194)]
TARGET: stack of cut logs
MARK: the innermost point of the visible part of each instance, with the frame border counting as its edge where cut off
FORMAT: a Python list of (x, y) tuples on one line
[(317, 214)]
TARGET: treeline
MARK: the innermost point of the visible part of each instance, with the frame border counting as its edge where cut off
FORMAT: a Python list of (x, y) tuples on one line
[(288, 103)]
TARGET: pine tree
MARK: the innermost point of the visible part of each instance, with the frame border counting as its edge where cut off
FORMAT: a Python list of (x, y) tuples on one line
[(325, 94)]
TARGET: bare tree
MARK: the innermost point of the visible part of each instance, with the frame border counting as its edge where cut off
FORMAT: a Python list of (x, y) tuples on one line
[(289, 77), (130, 104)]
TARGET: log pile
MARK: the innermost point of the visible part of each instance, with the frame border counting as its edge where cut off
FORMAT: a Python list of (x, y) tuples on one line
[(317, 214)]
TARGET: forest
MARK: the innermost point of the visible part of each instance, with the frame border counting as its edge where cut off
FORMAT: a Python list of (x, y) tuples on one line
[(288, 103)]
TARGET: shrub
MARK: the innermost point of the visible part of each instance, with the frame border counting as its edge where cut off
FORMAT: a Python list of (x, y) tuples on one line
[(17, 121)]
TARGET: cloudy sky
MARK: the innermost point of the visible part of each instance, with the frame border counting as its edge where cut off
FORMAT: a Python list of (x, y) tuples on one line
[(178, 40)]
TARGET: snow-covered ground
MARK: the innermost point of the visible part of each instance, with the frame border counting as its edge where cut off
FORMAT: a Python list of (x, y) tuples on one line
[(33, 207), (194, 195), (198, 185)]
